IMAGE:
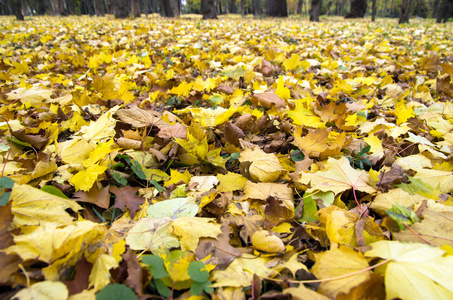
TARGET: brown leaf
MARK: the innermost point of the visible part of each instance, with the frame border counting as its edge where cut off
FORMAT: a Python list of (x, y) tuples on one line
[(396, 175), (36, 140), (135, 273), (223, 88), (276, 212), (139, 118), (94, 196), (246, 122), (8, 263), (268, 100), (443, 84), (266, 68), (80, 281), (373, 288), (233, 133), (178, 131), (126, 197), (222, 253)]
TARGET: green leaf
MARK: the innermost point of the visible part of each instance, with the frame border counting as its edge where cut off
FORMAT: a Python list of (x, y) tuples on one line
[(297, 157), (402, 216), (309, 210), (4, 198), (116, 291), (119, 179), (157, 185), (156, 264), (198, 287), (162, 288), (137, 168), (53, 191), (197, 271), (6, 182)]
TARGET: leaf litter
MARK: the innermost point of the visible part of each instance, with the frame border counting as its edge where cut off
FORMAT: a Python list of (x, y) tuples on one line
[(230, 158)]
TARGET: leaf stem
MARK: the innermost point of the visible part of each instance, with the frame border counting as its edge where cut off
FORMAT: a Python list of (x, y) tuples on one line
[(419, 236), (333, 278)]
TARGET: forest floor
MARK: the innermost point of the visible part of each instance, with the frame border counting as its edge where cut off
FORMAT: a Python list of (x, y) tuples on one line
[(233, 159)]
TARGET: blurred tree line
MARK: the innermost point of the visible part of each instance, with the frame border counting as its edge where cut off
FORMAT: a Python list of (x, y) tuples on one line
[(441, 10)]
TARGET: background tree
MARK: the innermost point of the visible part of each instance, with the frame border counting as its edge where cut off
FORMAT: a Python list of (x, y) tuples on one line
[(276, 8), (121, 8), (209, 9), (243, 8), (358, 9), (18, 10), (445, 11), (135, 8), (405, 9), (167, 9), (99, 9), (300, 3), (256, 8), (232, 6), (315, 10), (373, 11)]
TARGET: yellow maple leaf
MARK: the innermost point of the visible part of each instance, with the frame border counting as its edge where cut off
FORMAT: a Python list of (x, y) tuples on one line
[(264, 167), (415, 271), (100, 274), (230, 182), (101, 130), (85, 179), (183, 89), (190, 230), (32, 206), (282, 91), (292, 63), (403, 112), (200, 84), (304, 116), (176, 177), (337, 262), (44, 290), (339, 177), (98, 153)]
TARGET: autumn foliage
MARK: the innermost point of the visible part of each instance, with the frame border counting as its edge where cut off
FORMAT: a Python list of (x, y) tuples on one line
[(228, 159)]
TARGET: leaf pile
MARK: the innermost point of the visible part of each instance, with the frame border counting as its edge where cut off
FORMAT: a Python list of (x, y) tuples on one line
[(257, 158)]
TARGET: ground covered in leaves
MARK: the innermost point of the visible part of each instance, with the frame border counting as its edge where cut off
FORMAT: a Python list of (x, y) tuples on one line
[(229, 159)]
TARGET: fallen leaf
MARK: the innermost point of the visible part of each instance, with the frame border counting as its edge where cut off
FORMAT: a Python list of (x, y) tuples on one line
[(264, 240), (126, 197), (264, 167), (415, 271)]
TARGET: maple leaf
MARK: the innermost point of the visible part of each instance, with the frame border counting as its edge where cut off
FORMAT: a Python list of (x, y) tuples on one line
[(262, 166), (414, 271), (339, 177), (190, 229), (126, 197)]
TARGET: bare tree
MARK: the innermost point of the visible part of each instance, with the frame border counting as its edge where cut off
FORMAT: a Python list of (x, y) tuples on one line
[(18, 10), (135, 8), (99, 9), (373, 11), (358, 9), (256, 8), (404, 14), (209, 9), (276, 8), (300, 3), (445, 11), (121, 8), (315, 10)]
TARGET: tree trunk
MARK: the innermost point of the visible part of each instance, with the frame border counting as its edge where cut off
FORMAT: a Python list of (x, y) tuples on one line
[(167, 9), (383, 8), (256, 8), (276, 8), (153, 8), (209, 9), (315, 10), (18, 10), (405, 8), (99, 9), (135, 8), (70, 7), (57, 7), (373, 11), (299, 6), (243, 8), (232, 7), (358, 9), (176, 7), (444, 11), (329, 4), (436, 6), (121, 8)]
